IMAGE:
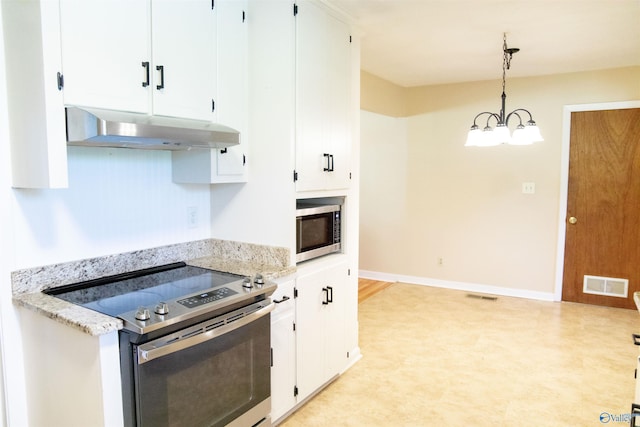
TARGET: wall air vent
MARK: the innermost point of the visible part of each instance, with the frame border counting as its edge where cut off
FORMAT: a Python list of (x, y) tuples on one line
[(606, 286)]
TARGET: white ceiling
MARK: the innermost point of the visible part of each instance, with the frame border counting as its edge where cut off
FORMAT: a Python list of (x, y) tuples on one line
[(425, 42)]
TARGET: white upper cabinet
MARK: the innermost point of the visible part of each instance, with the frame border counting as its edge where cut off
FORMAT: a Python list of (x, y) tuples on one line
[(177, 58), (34, 94), (233, 91), (184, 58), (160, 57), (323, 99), (104, 46), (231, 102)]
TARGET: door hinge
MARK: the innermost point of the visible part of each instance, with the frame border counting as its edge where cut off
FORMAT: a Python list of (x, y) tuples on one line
[(272, 357), (349, 175), (350, 39), (295, 292), (244, 16), (213, 3), (295, 390), (294, 326), (213, 105), (348, 272), (295, 176), (60, 81), (295, 9), (244, 160)]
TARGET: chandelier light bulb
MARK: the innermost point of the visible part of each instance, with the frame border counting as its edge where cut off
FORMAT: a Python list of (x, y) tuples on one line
[(488, 137), (533, 132), (474, 137), (520, 137), (502, 134)]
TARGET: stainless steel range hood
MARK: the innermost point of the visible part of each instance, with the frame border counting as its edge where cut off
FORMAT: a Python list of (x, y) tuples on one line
[(91, 127)]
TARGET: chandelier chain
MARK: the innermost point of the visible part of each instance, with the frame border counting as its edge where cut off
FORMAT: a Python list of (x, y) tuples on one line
[(506, 61)]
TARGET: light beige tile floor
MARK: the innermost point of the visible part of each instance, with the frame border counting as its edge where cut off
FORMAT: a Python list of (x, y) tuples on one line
[(436, 357)]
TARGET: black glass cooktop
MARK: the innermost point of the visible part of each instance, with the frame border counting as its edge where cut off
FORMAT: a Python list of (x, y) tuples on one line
[(115, 295)]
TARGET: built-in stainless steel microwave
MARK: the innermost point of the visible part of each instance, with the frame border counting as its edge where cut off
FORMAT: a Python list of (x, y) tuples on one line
[(318, 230)]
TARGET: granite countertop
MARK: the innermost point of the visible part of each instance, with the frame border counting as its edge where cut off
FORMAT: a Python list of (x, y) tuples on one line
[(243, 268), (231, 257)]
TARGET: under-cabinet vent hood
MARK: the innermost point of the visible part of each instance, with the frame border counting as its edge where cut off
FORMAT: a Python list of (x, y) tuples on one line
[(91, 127)]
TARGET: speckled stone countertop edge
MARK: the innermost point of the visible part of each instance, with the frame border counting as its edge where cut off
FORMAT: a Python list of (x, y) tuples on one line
[(75, 316), (213, 254)]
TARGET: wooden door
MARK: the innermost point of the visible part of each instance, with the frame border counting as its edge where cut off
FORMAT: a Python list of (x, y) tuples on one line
[(603, 205)]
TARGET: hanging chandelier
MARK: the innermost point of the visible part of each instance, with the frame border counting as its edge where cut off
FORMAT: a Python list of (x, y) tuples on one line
[(524, 134)]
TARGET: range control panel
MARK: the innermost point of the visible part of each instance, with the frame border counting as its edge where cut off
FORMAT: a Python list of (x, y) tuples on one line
[(207, 297)]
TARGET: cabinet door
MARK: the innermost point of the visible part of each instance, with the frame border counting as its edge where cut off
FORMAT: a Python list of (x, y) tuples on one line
[(319, 326), (283, 348), (322, 99), (232, 99), (104, 44), (32, 64), (335, 345), (338, 118), (231, 103), (232, 164), (184, 46), (283, 373), (310, 331)]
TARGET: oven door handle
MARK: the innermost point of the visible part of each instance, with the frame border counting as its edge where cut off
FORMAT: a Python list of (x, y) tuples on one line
[(153, 350)]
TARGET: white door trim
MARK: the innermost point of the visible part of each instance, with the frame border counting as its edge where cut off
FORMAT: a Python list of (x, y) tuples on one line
[(564, 176)]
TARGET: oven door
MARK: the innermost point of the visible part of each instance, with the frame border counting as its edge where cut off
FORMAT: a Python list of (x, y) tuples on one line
[(211, 374)]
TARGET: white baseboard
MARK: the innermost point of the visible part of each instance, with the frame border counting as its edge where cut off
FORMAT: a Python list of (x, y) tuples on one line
[(460, 286), (354, 356)]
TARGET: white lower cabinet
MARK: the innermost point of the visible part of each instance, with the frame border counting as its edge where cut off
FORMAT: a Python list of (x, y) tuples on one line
[(308, 333), (283, 350), (320, 316)]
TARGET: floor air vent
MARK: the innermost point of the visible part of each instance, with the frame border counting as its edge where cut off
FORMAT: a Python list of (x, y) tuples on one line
[(606, 286), (482, 297)]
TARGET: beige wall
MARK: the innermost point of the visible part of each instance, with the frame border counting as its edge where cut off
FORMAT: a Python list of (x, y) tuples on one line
[(424, 196), (381, 96)]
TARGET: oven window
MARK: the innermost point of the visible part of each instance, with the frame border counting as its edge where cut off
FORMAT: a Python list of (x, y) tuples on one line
[(315, 231), (209, 384)]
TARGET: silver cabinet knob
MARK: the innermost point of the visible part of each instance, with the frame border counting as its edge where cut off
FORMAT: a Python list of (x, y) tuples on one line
[(246, 283), (573, 220)]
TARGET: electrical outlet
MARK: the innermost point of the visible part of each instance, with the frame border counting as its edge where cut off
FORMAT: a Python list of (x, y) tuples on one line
[(440, 261), (528, 188), (192, 217)]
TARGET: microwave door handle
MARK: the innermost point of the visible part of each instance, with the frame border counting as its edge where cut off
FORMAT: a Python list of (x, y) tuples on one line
[(299, 233), (149, 351)]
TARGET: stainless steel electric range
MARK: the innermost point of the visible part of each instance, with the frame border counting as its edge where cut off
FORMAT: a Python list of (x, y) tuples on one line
[(195, 349)]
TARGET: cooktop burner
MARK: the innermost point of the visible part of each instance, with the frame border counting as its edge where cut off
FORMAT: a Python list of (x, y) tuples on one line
[(149, 299)]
